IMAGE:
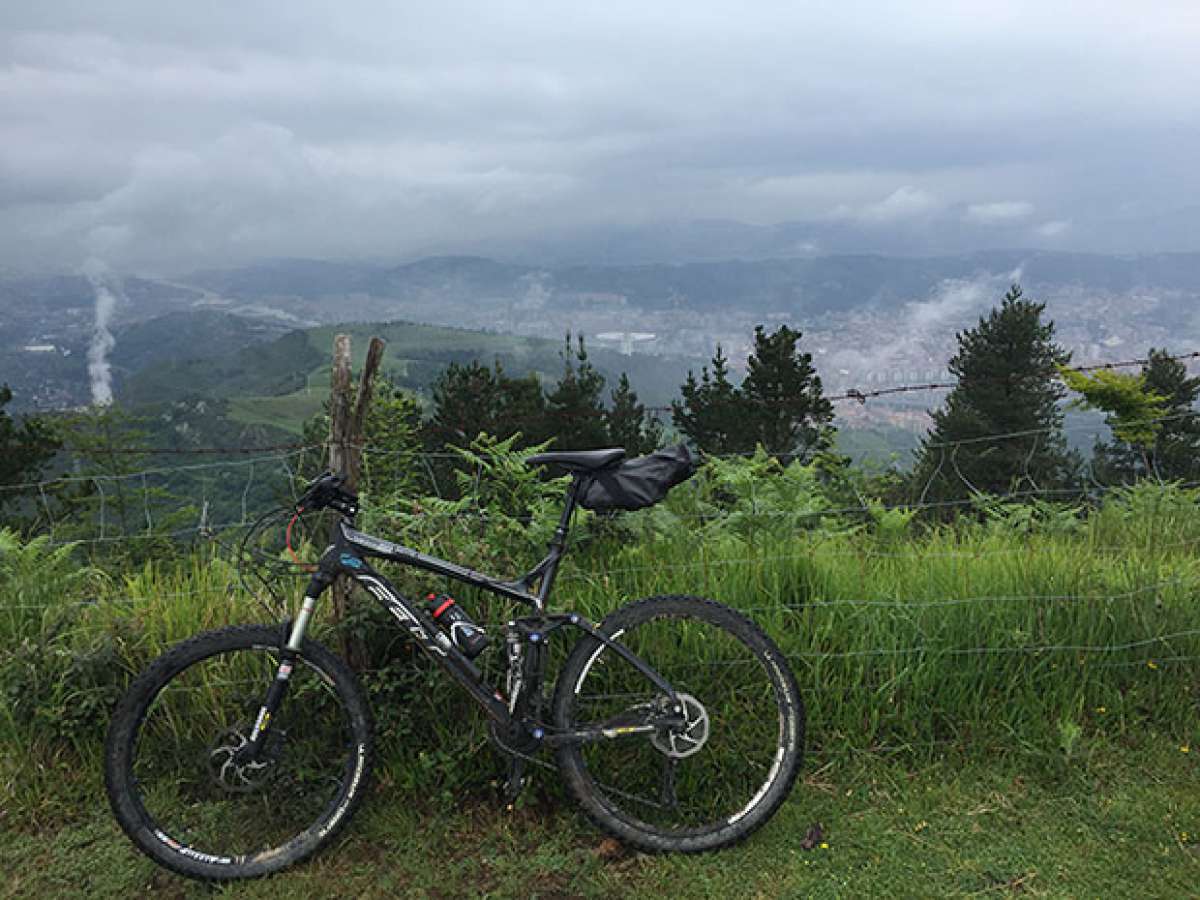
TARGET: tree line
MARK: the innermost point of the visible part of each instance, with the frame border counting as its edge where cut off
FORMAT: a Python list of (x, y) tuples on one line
[(778, 405), (999, 430)]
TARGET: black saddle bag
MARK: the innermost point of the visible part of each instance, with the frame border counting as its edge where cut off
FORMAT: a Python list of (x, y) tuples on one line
[(638, 483)]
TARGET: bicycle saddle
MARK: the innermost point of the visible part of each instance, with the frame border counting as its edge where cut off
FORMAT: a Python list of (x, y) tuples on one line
[(579, 460)]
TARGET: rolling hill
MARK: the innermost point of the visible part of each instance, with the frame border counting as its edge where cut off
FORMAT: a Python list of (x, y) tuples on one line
[(281, 382)]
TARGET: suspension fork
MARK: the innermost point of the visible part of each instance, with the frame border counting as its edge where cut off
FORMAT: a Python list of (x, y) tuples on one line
[(319, 582)]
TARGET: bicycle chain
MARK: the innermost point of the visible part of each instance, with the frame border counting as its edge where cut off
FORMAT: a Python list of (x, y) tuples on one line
[(510, 751)]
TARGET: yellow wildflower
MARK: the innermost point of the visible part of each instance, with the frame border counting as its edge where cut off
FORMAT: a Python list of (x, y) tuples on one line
[(1185, 749), (1100, 710), (1152, 664), (824, 846)]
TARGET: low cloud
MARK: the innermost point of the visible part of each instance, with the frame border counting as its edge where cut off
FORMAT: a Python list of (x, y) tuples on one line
[(928, 323), (1052, 229), (950, 301), (1002, 212), (903, 204)]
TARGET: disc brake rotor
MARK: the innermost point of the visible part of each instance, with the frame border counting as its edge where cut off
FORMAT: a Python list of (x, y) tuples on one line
[(241, 777), (688, 739)]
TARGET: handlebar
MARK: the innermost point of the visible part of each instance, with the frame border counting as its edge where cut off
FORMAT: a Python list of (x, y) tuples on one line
[(328, 490)]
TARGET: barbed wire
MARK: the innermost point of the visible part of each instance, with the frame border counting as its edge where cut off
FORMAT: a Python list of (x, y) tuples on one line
[(121, 600), (275, 454), (1067, 428), (157, 470), (727, 515), (855, 394), (195, 451), (717, 516), (1149, 663), (232, 590), (861, 396), (204, 531), (814, 552), (1027, 649)]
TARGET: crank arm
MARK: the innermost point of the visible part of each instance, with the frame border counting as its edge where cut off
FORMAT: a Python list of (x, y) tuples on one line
[(515, 782)]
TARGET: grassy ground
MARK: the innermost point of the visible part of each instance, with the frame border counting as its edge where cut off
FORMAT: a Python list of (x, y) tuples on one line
[(1126, 824), (1067, 641), (287, 411)]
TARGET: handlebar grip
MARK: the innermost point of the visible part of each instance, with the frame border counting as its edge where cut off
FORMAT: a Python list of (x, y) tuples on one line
[(327, 490)]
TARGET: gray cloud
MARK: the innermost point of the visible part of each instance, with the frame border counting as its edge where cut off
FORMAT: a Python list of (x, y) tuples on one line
[(163, 135), (998, 212)]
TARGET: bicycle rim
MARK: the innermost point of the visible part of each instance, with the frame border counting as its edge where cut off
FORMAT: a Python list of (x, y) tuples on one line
[(195, 796), (707, 776)]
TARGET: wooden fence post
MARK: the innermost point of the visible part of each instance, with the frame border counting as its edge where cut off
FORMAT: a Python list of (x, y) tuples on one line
[(358, 421), (347, 428)]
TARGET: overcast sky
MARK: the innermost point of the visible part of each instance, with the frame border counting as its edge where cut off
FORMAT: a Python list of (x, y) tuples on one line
[(168, 135)]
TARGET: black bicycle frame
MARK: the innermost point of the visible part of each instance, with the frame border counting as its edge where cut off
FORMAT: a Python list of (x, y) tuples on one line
[(347, 554)]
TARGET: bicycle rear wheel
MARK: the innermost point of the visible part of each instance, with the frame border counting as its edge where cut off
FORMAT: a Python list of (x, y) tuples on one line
[(177, 786), (709, 783)]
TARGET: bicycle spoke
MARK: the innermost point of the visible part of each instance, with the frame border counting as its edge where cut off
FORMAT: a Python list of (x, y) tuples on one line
[(678, 779), (187, 772)]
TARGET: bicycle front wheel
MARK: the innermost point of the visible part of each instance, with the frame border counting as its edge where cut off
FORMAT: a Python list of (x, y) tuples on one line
[(186, 798), (718, 776)]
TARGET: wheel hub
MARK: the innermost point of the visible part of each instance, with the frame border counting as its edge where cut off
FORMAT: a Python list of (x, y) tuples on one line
[(234, 774), (688, 738)]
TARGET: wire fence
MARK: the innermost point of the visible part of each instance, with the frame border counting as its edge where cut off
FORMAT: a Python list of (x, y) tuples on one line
[(251, 465), (281, 456), (854, 394), (278, 464), (205, 529), (930, 652)]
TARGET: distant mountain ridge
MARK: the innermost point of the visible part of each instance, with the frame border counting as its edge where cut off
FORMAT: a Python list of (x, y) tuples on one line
[(809, 283), (1131, 300)]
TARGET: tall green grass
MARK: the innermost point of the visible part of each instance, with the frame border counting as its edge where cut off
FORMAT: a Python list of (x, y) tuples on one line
[(1026, 630)]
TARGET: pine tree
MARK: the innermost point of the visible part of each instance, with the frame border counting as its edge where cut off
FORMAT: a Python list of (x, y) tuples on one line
[(521, 409), (472, 399), (789, 414), (1174, 454), (779, 405), (392, 437), (26, 446), (711, 412), (133, 517), (627, 422), (1000, 428), (574, 407), (465, 402)]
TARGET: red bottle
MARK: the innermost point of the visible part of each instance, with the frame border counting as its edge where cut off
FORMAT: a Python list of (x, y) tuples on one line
[(468, 637)]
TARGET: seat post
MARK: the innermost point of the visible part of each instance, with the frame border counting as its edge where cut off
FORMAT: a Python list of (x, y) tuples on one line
[(558, 543)]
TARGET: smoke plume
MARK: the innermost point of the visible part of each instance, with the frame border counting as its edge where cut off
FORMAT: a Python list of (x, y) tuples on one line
[(103, 341)]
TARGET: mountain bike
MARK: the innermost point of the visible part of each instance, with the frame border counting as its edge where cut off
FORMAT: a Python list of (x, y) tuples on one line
[(675, 723)]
